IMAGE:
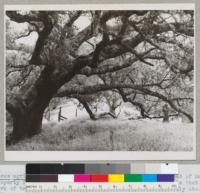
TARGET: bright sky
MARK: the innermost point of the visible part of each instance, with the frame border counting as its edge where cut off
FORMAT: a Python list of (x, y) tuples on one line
[(29, 40), (82, 22)]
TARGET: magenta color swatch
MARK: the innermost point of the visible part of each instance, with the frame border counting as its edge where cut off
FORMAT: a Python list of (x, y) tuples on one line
[(81, 178)]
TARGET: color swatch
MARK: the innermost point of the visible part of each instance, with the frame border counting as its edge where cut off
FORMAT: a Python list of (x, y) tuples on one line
[(99, 178), (133, 178), (82, 178), (109, 178), (115, 178), (108, 173)]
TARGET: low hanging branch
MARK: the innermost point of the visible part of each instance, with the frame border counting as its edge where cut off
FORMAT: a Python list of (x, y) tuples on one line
[(103, 87)]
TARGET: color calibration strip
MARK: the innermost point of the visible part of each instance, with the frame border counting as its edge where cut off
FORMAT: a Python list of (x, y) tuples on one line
[(109, 178), (55, 168)]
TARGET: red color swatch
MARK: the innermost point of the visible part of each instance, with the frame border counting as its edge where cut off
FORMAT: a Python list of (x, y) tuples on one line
[(99, 178)]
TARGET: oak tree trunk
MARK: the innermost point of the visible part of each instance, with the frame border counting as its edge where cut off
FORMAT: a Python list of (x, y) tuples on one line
[(27, 123), (27, 110)]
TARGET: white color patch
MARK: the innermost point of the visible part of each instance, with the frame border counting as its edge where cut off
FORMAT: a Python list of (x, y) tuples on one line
[(65, 178), (169, 168)]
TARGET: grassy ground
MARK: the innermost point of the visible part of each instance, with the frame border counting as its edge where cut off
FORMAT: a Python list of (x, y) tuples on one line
[(108, 135)]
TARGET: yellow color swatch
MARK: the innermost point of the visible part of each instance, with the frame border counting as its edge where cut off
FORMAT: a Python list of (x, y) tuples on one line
[(115, 178)]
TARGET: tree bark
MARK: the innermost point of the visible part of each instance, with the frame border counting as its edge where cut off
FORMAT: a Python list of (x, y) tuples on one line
[(27, 121), (27, 124), (27, 110)]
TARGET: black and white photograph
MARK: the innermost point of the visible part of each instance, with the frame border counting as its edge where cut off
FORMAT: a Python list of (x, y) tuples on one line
[(100, 79)]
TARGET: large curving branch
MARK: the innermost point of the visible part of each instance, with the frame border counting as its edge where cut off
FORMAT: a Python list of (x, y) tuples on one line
[(17, 17), (103, 87), (43, 35), (117, 48), (110, 67), (41, 16)]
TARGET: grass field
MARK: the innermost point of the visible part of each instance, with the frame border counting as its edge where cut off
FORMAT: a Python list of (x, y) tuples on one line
[(110, 135)]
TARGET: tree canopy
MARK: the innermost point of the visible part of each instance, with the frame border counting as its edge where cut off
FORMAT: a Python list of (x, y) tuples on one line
[(145, 57)]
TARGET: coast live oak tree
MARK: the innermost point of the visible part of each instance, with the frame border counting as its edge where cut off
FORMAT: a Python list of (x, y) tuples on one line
[(147, 54)]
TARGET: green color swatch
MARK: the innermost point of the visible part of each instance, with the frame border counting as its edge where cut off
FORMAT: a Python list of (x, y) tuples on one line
[(133, 178)]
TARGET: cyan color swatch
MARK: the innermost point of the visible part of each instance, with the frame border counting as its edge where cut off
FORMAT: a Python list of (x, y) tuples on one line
[(149, 178)]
